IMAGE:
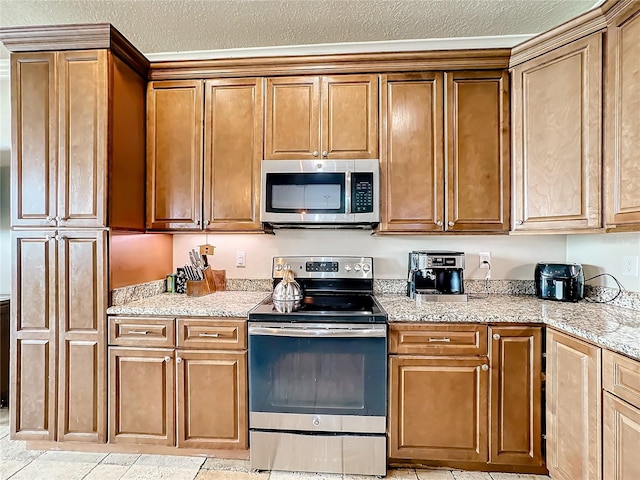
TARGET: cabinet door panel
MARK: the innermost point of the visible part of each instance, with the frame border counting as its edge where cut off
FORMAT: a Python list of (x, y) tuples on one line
[(82, 337), (82, 157), (478, 151), (212, 399), (293, 118), (34, 148), (232, 154), (350, 116), (174, 155), (438, 408), (574, 447), (33, 363), (557, 121), (622, 116), (141, 396), (621, 439), (516, 387), (412, 163)]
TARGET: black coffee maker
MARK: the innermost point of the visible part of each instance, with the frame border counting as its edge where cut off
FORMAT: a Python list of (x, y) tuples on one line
[(436, 275)]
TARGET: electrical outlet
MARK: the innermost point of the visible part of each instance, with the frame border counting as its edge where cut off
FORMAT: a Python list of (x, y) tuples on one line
[(240, 259), (485, 257), (630, 265)]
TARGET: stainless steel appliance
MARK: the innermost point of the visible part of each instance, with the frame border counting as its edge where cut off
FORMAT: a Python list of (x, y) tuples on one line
[(559, 281), (318, 375), (436, 276), (320, 193)]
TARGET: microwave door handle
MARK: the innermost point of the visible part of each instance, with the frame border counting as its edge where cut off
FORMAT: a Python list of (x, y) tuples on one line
[(317, 332), (347, 193)]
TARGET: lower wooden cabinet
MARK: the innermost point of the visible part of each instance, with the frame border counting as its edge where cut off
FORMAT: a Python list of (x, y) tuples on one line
[(573, 410), (446, 407), (621, 439), (192, 398)]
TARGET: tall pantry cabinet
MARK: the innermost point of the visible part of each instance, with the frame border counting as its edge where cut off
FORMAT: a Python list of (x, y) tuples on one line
[(78, 176)]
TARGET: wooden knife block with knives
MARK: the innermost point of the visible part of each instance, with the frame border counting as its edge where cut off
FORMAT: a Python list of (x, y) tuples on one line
[(204, 279)]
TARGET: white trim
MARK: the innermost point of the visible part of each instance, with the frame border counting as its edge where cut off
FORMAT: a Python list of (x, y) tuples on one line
[(4, 67), (459, 43)]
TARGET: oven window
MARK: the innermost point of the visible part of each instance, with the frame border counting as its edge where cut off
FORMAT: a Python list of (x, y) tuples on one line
[(305, 193), (332, 376)]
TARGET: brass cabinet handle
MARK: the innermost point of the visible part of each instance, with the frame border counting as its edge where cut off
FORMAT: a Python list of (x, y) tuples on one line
[(205, 334), (442, 340), (485, 367)]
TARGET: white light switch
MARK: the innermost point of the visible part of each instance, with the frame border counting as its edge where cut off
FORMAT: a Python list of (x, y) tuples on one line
[(240, 259)]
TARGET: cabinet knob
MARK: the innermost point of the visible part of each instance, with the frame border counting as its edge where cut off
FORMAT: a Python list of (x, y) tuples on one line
[(167, 359), (49, 218), (485, 367), (196, 223), (439, 223), (325, 153), (451, 224), (59, 218), (208, 222), (316, 422), (315, 153), (48, 237), (60, 237), (496, 336), (519, 222), (179, 360)]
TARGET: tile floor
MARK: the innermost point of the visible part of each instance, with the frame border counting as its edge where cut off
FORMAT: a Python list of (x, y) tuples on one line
[(18, 463)]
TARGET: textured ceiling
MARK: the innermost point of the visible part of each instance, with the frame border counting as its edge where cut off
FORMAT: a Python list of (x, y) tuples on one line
[(189, 25)]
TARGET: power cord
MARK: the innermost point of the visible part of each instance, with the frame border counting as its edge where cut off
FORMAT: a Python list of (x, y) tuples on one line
[(486, 283), (618, 293)]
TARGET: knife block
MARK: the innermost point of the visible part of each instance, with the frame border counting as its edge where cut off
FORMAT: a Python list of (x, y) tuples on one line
[(197, 288)]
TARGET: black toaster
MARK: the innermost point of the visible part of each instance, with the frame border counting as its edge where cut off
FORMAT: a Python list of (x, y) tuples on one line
[(559, 281)]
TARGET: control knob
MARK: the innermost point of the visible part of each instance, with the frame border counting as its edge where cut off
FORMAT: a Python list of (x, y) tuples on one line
[(278, 268), (357, 267), (366, 267), (347, 267)]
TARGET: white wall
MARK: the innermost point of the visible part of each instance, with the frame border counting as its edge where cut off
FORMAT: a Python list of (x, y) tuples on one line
[(512, 257), (605, 253), (5, 156)]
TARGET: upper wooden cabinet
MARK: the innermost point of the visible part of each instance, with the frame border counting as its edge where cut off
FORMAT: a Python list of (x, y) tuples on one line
[(322, 117), (573, 408), (622, 120), (216, 187), (557, 132), (414, 141), (69, 122)]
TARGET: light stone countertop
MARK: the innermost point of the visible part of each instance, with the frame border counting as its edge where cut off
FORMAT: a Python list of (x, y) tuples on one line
[(228, 303), (615, 328)]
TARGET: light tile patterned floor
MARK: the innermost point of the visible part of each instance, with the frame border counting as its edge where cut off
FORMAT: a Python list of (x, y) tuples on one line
[(18, 463)]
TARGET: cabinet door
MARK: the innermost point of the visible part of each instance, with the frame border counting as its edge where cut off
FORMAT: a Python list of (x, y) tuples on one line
[(141, 396), (621, 439), (574, 446), (293, 118), (82, 152), (212, 399), (412, 160), (33, 336), (232, 154), (622, 117), (34, 148), (174, 155), (82, 294), (350, 116), (516, 396), (438, 408), (557, 121), (477, 151)]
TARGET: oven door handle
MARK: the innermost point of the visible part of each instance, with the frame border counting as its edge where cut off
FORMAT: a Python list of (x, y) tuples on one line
[(369, 332)]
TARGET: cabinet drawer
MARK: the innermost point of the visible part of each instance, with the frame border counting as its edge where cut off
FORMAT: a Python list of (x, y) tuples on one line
[(218, 334), (621, 376), (438, 339), (142, 332)]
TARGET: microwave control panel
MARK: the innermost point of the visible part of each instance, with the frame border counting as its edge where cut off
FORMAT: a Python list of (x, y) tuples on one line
[(362, 192)]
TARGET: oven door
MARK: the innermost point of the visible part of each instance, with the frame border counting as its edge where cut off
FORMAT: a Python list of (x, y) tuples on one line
[(318, 377)]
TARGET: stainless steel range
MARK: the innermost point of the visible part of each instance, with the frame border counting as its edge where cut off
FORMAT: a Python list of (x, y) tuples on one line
[(318, 375)]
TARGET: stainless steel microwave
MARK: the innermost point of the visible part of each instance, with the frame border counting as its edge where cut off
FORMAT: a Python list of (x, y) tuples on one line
[(320, 193)]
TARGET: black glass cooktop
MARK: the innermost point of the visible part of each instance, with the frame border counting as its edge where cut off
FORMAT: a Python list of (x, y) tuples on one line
[(317, 308)]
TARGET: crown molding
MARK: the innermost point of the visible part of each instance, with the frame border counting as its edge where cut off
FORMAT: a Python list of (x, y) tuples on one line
[(430, 44)]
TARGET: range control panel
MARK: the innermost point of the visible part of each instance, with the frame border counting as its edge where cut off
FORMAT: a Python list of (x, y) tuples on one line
[(324, 267)]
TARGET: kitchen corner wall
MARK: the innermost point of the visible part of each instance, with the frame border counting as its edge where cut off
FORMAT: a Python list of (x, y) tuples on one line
[(5, 162), (512, 257), (605, 253)]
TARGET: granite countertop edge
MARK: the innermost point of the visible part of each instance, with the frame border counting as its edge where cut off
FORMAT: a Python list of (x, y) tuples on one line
[(611, 327)]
